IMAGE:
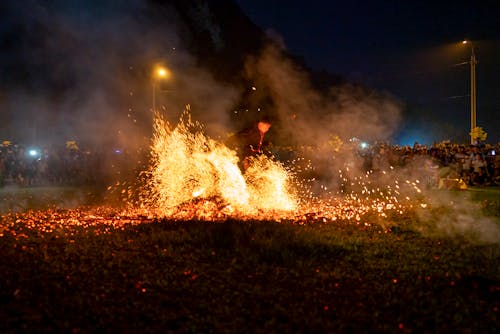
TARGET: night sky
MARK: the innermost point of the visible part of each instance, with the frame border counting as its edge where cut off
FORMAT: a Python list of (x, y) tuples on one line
[(66, 66), (406, 48)]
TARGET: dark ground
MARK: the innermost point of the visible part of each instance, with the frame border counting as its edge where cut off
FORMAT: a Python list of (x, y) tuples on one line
[(109, 273)]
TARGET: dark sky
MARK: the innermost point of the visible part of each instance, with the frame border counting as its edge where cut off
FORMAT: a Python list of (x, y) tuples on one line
[(65, 66), (407, 48), (81, 70)]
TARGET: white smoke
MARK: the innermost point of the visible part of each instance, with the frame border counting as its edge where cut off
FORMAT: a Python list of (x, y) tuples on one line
[(456, 215)]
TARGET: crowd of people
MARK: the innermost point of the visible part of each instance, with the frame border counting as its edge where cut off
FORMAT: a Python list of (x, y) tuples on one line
[(472, 165), (57, 165)]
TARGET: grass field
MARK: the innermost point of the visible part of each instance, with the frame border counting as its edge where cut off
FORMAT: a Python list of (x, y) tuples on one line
[(19, 199), (95, 270)]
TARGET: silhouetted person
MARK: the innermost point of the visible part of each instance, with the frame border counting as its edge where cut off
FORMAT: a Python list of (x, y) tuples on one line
[(250, 141)]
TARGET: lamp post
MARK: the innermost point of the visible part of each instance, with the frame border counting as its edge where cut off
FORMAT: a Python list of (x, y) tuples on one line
[(159, 72), (472, 63)]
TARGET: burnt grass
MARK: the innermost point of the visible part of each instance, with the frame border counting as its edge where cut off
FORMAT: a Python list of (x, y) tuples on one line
[(164, 276)]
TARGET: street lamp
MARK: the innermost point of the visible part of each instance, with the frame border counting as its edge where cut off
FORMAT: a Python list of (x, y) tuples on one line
[(472, 63), (159, 73)]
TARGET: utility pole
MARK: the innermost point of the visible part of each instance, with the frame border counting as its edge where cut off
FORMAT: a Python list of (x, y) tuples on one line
[(159, 72), (472, 62), (472, 94)]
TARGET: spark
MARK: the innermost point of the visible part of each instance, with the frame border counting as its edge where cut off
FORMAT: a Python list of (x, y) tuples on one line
[(187, 165), (193, 176)]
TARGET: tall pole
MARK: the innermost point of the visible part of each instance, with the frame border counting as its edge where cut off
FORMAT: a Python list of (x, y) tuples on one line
[(472, 95), (159, 72), (154, 97)]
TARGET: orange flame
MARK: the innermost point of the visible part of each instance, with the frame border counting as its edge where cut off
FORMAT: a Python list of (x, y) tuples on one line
[(189, 165), (195, 177)]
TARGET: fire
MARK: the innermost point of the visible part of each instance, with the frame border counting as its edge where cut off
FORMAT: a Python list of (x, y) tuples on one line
[(269, 185), (188, 165), (193, 176)]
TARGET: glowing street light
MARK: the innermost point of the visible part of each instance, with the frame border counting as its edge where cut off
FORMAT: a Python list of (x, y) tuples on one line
[(472, 63), (162, 72), (159, 73)]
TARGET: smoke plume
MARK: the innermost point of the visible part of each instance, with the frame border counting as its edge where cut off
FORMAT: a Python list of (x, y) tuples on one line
[(83, 71)]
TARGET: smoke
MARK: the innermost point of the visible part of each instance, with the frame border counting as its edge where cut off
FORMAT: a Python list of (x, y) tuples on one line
[(83, 71), (444, 213), (456, 215), (347, 111), (309, 118), (87, 76)]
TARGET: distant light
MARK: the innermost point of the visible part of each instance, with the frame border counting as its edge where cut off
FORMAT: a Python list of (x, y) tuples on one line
[(363, 145), (162, 72), (253, 88), (118, 151), (465, 41), (34, 153)]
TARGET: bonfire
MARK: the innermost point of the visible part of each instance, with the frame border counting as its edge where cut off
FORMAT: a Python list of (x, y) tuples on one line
[(193, 176)]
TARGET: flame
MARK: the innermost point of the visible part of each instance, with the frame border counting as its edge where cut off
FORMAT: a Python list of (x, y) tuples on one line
[(188, 165), (199, 192), (269, 185), (193, 176)]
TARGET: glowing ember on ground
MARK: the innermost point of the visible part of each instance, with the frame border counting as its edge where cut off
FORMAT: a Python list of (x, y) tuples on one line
[(64, 223)]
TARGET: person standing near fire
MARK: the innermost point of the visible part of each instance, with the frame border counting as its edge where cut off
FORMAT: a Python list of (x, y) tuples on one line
[(250, 141)]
